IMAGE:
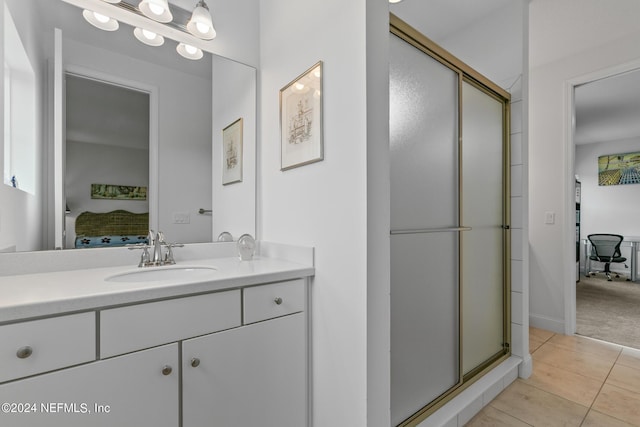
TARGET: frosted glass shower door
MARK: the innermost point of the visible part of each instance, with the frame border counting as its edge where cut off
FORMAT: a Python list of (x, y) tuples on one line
[(424, 153), (482, 209)]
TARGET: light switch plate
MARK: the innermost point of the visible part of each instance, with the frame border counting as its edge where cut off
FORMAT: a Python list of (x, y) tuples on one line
[(549, 217), (181, 218)]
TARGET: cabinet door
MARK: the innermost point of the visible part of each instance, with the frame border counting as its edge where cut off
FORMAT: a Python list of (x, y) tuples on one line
[(129, 390), (255, 375)]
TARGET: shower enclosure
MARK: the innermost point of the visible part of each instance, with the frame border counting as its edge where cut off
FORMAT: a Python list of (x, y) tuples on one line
[(449, 231)]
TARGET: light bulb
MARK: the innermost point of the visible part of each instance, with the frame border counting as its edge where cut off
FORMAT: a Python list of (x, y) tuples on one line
[(203, 28), (201, 24), (148, 37), (299, 86), (189, 51), (156, 9), (101, 18), (149, 34)]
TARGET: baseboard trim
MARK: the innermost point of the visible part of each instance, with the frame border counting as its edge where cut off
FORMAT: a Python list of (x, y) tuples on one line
[(525, 369), (543, 322)]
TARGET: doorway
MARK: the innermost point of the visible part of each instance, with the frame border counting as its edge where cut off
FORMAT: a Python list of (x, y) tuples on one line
[(107, 144), (604, 109)]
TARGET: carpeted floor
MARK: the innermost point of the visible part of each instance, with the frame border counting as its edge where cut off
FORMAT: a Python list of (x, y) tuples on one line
[(609, 311)]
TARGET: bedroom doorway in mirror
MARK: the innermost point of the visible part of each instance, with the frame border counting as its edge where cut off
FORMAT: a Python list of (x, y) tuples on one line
[(106, 162)]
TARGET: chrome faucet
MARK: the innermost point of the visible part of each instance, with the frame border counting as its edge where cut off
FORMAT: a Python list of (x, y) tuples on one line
[(156, 258), (156, 241)]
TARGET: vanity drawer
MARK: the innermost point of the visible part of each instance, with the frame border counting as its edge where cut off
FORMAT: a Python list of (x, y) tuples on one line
[(38, 346), (135, 327), (274, 300)]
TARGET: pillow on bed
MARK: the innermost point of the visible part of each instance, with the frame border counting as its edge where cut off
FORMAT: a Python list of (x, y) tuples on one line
[(109, 241)]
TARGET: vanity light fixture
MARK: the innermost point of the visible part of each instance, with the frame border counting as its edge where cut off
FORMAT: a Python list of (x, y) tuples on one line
[(395, 1), (188, 51), (201, 24), (158, 10), (148, 37), (197, 23), (101, 21)]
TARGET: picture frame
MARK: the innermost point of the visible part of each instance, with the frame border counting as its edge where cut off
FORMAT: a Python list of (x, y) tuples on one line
[(118, 192), (301, 139), (619, 169), (232, 153)]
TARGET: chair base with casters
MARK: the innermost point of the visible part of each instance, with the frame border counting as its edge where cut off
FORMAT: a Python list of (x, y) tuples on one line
[(607, 272), (605, 248)]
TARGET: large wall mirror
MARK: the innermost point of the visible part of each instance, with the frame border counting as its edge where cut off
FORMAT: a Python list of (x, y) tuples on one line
[(95, 121)]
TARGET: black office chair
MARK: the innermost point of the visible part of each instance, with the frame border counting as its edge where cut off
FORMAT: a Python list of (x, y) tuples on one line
[(605, 248)]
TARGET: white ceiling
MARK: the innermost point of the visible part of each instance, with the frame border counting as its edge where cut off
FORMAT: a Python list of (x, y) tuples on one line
[(437, 19), (100, 113), (561, 28)]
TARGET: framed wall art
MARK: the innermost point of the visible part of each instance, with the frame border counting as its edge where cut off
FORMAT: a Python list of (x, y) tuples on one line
[(118, 192), (232, 153), (619, 169), (301, 120)]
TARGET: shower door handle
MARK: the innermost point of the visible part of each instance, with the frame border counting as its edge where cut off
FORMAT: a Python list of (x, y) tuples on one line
[(429, 230)]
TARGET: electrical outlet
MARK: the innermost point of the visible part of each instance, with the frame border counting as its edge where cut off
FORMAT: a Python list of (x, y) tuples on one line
[(181, 218), (549, 217)]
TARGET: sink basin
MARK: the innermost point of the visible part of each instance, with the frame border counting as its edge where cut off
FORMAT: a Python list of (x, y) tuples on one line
[(164, 273)]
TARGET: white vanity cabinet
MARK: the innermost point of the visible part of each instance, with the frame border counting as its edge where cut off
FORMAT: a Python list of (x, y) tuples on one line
[(138, 389), (255, 375), (235, 357)]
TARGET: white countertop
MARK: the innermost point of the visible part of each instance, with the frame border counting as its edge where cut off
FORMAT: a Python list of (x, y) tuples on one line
[(27, 296)]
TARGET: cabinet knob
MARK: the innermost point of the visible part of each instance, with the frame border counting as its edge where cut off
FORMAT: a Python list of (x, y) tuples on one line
[(195, 362), (278, 300), (24, 352), (166, 370)]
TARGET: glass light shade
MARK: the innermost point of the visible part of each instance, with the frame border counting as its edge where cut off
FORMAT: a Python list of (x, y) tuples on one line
[(395, 1), (158, 10), (200, 24), (148, 37), (101, 21), (189, 52)]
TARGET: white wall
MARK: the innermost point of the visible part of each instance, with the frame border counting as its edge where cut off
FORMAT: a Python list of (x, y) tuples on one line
[(20, 212), (607, 209), (324, 204), (552, 262)]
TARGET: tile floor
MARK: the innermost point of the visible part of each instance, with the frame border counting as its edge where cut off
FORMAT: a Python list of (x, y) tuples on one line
[(576, 381)]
